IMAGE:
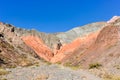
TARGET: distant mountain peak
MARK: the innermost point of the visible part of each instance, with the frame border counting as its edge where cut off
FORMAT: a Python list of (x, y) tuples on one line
[(113, 19)]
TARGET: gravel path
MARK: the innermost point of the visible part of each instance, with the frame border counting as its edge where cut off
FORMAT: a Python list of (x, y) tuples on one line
[(50, 72)]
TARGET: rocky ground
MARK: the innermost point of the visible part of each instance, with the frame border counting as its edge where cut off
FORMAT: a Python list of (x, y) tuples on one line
[(48, 72)]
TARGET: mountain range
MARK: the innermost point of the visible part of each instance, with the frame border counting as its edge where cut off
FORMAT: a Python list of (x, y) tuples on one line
[(95, 43)]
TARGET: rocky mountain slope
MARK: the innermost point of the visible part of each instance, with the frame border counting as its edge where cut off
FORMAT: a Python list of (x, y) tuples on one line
[(13, 51), (107, 39), (68, 38), (104, 50), (95, 44), (90, 44)]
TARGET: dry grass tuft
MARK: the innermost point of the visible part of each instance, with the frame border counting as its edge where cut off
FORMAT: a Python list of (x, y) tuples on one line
[(111, 77), (42, 77), (3, 71)]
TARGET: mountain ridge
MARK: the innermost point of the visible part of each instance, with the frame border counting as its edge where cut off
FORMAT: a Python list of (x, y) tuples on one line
[(93, 43)]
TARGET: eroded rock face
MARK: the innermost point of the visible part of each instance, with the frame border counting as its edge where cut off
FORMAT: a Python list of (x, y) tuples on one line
[(80, 43), (107, 38), (13, 51), (38, 46), (100, 44), (62, 48), (104, 50)]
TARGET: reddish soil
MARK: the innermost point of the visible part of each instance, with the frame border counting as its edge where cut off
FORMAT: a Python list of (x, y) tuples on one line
[(38, 46)]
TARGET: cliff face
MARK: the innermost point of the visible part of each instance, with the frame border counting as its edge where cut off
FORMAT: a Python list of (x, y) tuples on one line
[(38, 46)]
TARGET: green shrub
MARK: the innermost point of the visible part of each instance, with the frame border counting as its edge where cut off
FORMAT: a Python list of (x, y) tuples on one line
[(95, 65)]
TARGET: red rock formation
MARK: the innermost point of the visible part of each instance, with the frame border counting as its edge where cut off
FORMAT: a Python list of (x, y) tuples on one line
[(93, 45), (38, 46), (43, 51), (100, 50), (69, 49)]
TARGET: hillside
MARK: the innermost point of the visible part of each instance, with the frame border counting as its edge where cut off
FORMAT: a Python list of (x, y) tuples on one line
[(88, 47), (89, 44), (67, 38), (13, 51)]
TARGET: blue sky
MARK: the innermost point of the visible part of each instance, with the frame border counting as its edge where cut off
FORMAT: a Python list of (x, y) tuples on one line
[(56, 15)]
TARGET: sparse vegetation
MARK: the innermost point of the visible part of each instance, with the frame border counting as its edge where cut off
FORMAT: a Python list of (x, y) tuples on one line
[(0, 51), (42, 77), (110, 46), (11, 66), (19, 47), (117, 66), (74, 67), (3, 71), (68, 64), (111, 77), (2, 45), (58, 63), (10, 39), (111, 55), (37, 65), (10, 46), (3, 79), (24, 62), (48, 63), (6, 45), (95, 65)]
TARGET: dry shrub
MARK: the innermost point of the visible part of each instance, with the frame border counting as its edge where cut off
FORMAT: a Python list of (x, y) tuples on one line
[(42, 77), (3, 71), (111, 77)]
